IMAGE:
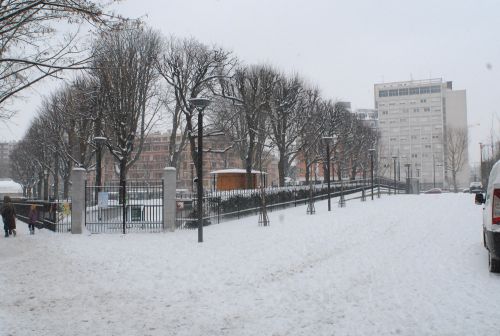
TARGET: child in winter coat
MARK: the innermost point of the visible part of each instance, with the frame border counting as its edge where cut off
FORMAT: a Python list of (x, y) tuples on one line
[(32, 218)]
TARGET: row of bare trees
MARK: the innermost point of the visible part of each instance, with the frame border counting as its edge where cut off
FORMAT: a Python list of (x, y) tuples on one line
[(137, 79)]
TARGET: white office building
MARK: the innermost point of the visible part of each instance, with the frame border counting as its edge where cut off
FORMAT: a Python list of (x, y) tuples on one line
[(369, 117), (414, 118)]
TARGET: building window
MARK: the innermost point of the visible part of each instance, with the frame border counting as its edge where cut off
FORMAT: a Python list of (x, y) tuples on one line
[(423, 100), (415, 110), (435, 89), (383, 93), (414, 156), (425, 90), (414, 91), (403, 92), (393, 93), (427, 109)]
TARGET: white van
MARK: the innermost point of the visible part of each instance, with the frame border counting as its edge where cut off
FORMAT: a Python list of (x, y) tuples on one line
[(491, 217)]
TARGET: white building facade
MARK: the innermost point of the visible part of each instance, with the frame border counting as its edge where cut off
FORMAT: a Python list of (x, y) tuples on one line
[(414, 118), (369, 117)]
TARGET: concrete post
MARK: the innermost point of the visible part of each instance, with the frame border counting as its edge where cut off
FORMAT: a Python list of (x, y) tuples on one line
[(78, 177), (169, 202)]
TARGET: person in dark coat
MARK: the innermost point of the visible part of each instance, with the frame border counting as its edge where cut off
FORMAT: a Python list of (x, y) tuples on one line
[(32, 218), (8, 216)]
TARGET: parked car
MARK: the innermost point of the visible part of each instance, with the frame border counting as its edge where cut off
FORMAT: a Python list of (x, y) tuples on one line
[(433, 191), (476, 187), (491, 217), (466, 190)]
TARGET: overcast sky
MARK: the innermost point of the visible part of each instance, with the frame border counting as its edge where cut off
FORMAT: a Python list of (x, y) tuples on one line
[(345, 47)]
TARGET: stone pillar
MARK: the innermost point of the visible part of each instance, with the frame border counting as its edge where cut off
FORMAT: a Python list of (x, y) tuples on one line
[(78, 177), (169, 202)]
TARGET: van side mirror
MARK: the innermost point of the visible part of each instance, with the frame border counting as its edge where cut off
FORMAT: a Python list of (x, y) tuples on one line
[(479, 198)]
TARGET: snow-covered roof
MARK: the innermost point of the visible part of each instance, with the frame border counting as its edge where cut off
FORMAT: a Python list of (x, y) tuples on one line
[(8, 186), (235, 171)]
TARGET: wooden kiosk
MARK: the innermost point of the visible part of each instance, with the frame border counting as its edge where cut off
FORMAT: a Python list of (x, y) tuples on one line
[(232, 179)]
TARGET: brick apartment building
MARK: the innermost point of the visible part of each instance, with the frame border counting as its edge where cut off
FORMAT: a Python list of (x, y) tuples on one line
[(154, 157)]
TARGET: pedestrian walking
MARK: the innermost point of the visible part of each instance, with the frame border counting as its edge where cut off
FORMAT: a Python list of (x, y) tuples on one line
[(8, 216), (32, 218)]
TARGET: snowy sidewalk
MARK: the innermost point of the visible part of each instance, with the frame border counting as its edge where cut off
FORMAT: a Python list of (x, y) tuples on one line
[(408, 265)]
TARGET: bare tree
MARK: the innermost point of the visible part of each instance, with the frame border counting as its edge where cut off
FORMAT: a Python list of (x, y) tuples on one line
[(32, 48), (23, 167), (190, 69), (456, 154), (292, 106), (249, 91), (124, 68)]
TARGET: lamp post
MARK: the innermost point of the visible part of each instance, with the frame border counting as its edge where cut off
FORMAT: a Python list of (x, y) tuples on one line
[(200, 104), (394, 158), (407, 165), (371, 150), (481, 162), (327, 140)]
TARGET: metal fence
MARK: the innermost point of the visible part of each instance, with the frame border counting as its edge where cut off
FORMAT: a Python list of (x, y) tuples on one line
[(52, 215), (141, 211), (224, 205)]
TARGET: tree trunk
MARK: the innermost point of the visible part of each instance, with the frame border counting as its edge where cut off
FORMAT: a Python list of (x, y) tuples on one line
[(56, 177), (249, 164), (123, 181), (281, 170), (39, 186), (308, 172), (454, 177)]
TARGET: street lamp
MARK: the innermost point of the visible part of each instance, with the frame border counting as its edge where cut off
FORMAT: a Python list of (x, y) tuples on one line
[(371, 150), (407, 165), (327, 140), (394, 157), (481, 161), (434, 170), (200, 104)]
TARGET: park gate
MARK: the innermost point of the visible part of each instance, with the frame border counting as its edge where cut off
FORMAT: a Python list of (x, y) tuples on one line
[(140, 211)]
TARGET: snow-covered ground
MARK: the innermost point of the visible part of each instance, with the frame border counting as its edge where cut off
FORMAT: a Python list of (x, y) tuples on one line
[(399, 265)]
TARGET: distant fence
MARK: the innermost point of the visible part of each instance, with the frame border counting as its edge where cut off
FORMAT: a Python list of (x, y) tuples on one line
[(224, 205), (52, 215)]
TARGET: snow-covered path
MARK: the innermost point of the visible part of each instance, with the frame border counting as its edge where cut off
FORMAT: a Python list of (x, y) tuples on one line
[(408, 265)]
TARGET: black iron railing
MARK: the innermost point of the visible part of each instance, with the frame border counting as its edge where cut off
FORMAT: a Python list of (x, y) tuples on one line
[(142, 209), (224, 205)]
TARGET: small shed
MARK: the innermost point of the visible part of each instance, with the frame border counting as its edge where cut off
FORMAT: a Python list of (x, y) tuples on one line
[(231, 179)]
